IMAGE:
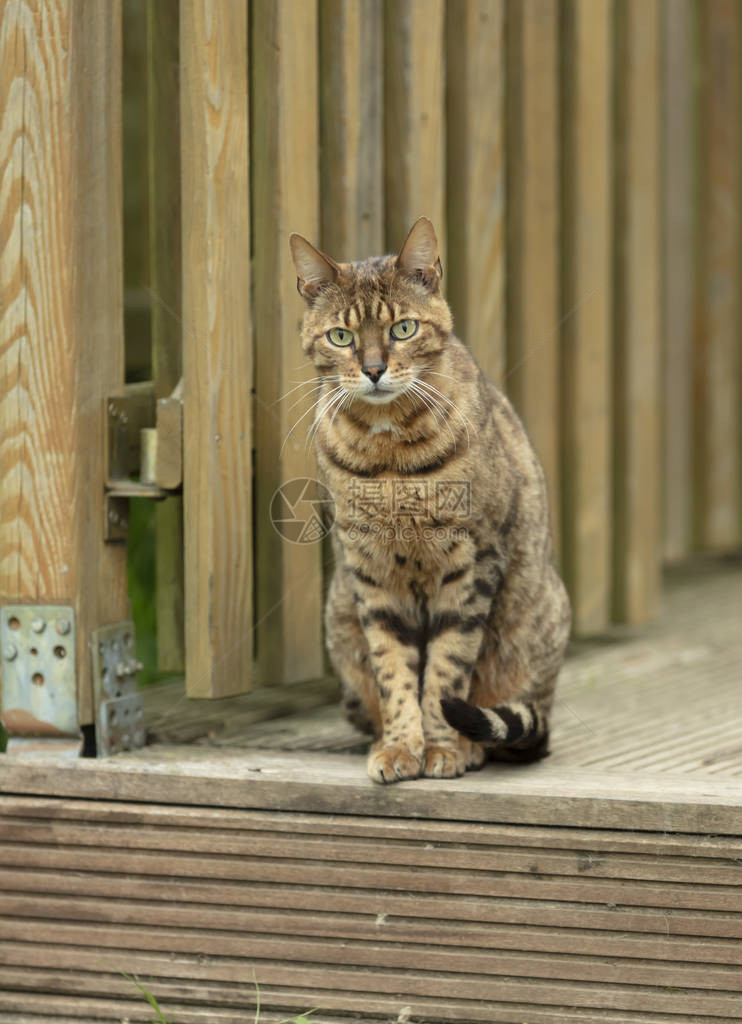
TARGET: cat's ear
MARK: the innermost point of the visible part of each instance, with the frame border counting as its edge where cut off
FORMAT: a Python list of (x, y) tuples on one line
[(313, 268), (419, 257)]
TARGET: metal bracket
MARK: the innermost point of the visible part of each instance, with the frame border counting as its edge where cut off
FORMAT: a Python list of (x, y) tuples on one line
[(120, 716), (39, 684), (143, 439)]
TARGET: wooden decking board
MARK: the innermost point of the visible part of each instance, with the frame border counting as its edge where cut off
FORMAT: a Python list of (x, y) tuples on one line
[(196, 820), (539, 794), (231, 956), (627, 892), (181, 928), (602, 885), (80, 1010), (157, 894), (400, 852), (343, 988)]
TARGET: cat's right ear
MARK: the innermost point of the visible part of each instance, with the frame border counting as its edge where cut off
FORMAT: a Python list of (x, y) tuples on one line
[(313, 268)]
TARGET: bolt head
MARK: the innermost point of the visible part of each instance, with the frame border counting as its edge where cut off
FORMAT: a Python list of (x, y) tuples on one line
[(9, 651), (62, 626), (37, 624)]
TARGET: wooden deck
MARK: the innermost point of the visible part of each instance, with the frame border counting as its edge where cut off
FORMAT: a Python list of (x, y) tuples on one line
[(603, 884)]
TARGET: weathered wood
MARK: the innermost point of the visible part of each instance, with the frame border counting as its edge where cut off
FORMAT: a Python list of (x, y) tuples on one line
[(533, 331), (208, 820), (628, 892), (217, 350), (163, 150), (586, 310), (680, 265), (407, 851), (718, 424), (87, 1010), (414, 133), (351, 108), (189, 977), (636, 363), (226, 952), (298, 899), (539, 794), (285, 198), (178, 926), (61, 308), (475, 168)]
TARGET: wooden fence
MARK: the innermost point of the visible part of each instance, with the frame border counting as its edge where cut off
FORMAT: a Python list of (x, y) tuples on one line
[(581, 162)]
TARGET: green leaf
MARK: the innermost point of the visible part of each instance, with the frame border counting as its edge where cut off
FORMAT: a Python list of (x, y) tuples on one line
[(150, 999)]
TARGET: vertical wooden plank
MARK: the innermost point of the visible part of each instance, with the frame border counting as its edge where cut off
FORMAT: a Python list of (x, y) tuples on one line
[(61, 308), (165, 282), (284, 39), (217, 352), (414, 131), (636, 380), (717, 356), (352, 144), (679, 269), (533, 229), (475, 269), (586, 309)]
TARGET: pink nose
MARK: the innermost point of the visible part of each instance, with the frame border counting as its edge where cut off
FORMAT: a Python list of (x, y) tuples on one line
[(374, 371)]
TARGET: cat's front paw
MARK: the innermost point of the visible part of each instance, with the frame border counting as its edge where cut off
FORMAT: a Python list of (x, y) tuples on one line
[(444, 763), (393, 764)]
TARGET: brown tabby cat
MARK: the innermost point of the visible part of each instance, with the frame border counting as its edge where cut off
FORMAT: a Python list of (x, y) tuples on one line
[(446, 620)]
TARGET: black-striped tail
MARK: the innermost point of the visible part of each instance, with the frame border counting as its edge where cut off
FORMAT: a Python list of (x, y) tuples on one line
[(517, 731)]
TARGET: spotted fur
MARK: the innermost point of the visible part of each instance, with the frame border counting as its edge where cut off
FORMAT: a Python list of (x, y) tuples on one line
[(446, 623)]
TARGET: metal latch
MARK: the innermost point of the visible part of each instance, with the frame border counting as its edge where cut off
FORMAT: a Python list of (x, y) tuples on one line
[(120, 717), (143, 444)]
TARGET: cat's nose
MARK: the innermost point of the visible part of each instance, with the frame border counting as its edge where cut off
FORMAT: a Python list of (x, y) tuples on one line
[(374, 371)]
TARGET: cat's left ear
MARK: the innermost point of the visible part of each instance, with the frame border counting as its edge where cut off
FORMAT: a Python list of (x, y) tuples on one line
[(313, 268), (419, 257)]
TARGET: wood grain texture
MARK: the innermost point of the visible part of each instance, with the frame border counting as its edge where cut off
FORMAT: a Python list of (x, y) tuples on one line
[(475, 175), (637, 391), (361, 914), (533, 225), (351, 127), (61, 308), (165, 262), (718, 467), (285, 198), (217, 348), (586, 310), (414, 128), (679, 266), (333, 783)]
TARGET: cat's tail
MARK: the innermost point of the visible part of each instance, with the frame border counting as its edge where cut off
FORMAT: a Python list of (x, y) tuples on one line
[(517, 731)]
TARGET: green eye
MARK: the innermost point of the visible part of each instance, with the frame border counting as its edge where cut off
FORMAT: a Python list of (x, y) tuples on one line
[(404, 329), (339, 336)]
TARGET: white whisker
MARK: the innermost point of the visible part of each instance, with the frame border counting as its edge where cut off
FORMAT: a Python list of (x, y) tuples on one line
[(306, 413), (440, 408), (336, 397), (432, 389)]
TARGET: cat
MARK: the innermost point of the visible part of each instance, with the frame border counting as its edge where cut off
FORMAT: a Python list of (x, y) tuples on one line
[(446, 620)]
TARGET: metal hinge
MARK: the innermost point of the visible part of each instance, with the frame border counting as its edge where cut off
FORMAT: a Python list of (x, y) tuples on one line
[(39, 683), (120, 709), (143, 444)]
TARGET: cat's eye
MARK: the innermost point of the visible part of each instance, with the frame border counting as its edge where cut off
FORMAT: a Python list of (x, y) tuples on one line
[(404, 329), (339, 336)]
